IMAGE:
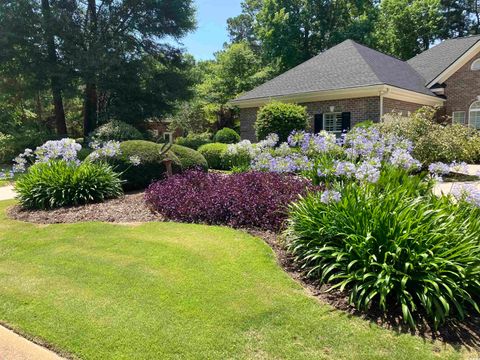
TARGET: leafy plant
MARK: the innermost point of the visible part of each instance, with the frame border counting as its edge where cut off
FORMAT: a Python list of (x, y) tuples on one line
[(58, 183), (116, 130), (391, 245), (194, 141), (215, 154), (253, 200), (281, 119), (189, 158), (226, 136), (150, 165)]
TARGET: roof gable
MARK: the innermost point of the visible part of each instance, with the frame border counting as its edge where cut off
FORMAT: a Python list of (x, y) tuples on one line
[(433, 62), (346, 65)]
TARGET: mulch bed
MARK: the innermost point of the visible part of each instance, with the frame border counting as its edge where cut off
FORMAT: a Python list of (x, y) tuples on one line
[(131, 208)]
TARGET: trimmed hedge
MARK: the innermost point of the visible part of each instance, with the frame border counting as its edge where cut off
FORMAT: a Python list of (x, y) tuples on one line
[(116, 130), (226, 136), (151, 165), (215, 154), (194, 141), (281, 119), (189, 158)]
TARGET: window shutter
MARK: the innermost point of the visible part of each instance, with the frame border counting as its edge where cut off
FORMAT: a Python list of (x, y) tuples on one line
[(346, 121), (318, 123)]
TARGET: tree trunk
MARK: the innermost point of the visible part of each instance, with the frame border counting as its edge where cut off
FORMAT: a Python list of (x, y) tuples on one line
[(56, 88), (90, 108)]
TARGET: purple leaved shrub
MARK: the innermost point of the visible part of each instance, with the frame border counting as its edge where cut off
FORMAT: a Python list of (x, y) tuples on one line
[(251, 200)]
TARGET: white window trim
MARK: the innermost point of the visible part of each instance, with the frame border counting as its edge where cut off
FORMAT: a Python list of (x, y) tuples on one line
[(459, 112), (470, 111), (170, 135), (324, 123), (475, 65)]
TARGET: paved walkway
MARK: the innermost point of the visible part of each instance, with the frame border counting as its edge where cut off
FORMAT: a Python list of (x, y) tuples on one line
[(15, 347), (6, 193)]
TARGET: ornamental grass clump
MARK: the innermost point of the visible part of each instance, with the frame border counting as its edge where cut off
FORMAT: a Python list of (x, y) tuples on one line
[(251, 200), (392, 245)]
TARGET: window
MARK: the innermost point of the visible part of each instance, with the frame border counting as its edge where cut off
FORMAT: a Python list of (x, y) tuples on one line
[(458, 117), (168, 137), (474, 115), (332, 122), (475, 65)]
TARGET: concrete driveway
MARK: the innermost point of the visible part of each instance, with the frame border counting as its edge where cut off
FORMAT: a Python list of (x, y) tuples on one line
[(7, 193)]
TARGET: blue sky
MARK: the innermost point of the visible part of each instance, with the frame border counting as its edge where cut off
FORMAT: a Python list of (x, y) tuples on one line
[(211, 30)]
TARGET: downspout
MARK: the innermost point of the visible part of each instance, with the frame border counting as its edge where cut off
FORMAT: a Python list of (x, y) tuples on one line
[(382, 93)]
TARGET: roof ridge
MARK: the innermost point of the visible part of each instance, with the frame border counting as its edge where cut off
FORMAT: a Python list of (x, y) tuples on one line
[(377, 51), (363, 58)]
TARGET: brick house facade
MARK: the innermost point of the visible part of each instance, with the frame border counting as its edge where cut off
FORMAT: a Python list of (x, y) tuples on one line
[(363, 84)]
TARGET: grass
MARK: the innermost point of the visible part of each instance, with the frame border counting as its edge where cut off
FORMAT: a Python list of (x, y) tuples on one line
[(174, 291)]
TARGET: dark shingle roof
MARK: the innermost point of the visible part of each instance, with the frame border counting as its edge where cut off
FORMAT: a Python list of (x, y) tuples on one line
[(436, 60), (346, 65)]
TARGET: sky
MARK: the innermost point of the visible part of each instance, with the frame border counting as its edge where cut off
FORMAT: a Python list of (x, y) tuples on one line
[(211, 31)]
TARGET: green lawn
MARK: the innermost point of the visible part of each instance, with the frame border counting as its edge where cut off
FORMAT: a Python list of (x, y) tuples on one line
[(174, 291)]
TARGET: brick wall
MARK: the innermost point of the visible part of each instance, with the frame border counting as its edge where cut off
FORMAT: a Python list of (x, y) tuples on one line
[(462, 89), (361, 109), (399, 106)]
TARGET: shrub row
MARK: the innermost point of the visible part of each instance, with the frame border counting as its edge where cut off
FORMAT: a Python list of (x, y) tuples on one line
[(254, 200)]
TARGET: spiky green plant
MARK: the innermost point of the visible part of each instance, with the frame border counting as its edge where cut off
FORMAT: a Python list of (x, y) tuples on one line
[(59, 183), (389, 246)]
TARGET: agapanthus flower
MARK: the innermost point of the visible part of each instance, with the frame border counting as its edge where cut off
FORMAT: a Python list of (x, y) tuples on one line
[(135, 160), (459, 167), (439, 168), (467, 193), (402, 158), (345, 168), (329, 196), (368, 171)]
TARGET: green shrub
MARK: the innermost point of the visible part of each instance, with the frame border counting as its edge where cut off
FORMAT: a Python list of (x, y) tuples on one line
[(190, 158), (226, 136), (281, 119), (115, 130), (151, 165), (434, 142), (83, 153), (194, 141), (390, 246), (365, 124), (58, 183), (215, 155)]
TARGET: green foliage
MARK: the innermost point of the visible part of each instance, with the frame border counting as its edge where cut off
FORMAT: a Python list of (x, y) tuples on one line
[(392, 245), (58, 183), (215, 154), (116, 130), (194, 141), (189, 158), (432, 141), (365, 124), (226, 136), (408, 27), (281, 119), (151, 165)]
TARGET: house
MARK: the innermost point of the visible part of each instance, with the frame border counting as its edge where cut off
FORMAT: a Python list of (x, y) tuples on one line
[(160, 130), (350, 83)]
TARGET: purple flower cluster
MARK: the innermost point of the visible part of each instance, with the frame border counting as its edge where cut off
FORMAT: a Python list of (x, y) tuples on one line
[(282, 164), (252, 199), (403, 159), (368, 171), (65, 149), (109, 149), (467, 193), (329, 196)]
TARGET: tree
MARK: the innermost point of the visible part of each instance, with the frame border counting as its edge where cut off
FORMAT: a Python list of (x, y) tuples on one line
[(241, 28), (407, 27)]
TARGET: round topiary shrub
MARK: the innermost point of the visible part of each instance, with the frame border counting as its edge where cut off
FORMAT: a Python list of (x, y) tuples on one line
[(281, 119), (190, 158), (214, 153), (58, 183), (151, 165), (194, 141), (116, 130), (226, 136)]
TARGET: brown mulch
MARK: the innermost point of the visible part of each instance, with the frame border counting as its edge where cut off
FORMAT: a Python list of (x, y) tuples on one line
[(130, 208)]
